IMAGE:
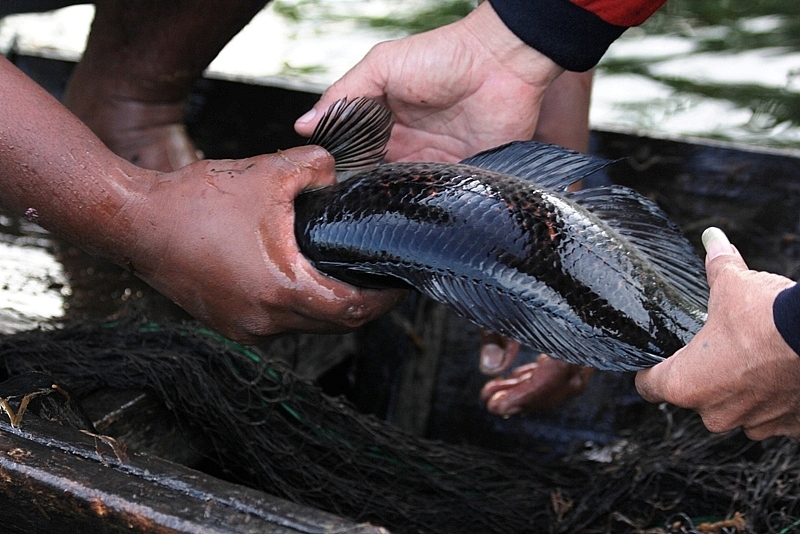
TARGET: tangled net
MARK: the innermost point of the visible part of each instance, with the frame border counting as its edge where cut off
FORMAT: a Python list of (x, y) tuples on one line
[(274, 431)]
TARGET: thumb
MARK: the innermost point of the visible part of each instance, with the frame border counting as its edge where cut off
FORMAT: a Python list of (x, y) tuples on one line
[(362, 80), (720, 254), (667, 380)]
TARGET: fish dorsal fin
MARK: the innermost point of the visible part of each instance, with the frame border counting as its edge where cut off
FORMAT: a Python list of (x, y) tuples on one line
[(355, 132), (549, 166), (646, 226)]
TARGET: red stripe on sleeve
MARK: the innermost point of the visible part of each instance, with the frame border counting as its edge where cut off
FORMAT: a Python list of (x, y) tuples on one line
[(621, 12)]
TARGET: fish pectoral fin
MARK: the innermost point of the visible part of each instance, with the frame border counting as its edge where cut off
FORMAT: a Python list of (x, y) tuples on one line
[(355, 132), (549, 166), (648, 228)]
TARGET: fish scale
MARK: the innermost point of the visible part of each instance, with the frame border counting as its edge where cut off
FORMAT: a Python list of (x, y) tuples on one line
[(515, 253)]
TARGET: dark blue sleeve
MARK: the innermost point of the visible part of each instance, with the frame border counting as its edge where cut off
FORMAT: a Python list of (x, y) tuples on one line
[(786, 314), (571, 36)]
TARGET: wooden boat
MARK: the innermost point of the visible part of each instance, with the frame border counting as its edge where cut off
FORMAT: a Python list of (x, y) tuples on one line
[(58, 479)]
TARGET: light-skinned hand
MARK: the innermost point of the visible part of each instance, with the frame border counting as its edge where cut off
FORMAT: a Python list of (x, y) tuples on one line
[(453, 91), (737, 371)]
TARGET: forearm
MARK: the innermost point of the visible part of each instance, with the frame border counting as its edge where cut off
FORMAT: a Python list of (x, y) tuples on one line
[(57, 173), (217, 237)]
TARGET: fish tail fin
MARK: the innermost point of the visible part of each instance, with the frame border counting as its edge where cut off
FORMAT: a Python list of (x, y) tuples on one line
[(355, 132)]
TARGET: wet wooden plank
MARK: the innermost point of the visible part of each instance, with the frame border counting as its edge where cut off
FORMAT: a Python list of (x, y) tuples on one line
[(56, 479)]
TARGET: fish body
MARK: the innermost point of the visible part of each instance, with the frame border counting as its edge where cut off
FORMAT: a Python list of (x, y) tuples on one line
[(598, 277)]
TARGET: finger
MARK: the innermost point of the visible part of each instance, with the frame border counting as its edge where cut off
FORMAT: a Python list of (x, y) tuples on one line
[(720, 254), (651, 383), (497, 353), (502, 385), (317, 301), (655, 384), (496, 385), (355, 308), (533, 387), (766, 430), (317, 296), (308, 167), (787, 425)]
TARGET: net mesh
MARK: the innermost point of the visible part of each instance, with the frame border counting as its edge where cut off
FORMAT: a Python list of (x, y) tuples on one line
[(274, 431)]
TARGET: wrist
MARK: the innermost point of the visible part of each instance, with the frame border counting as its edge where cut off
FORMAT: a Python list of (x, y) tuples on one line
[(131, 239), (529, 64), (113, 229), (570, 35), (56, 172)]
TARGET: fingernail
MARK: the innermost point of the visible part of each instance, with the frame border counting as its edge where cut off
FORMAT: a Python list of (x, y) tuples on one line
[(491, 358), (716, 243), (309, 116)]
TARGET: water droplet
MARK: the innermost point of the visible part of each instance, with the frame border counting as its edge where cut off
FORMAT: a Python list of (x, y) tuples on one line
[(32, 215)]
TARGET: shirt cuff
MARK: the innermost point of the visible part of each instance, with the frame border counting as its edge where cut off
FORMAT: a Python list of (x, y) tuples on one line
[(786, 314), (571, 36)]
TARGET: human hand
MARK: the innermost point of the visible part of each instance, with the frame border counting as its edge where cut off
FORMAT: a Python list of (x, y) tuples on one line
[(217, 237), (540, 385), (737, 371), (453, 91)]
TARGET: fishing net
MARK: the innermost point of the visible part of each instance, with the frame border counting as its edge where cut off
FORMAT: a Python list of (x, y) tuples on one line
[(272, 430)]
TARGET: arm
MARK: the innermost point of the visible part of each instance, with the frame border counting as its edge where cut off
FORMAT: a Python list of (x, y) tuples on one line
[(138, 69), (217, 236), (738, 370), (56, 172)]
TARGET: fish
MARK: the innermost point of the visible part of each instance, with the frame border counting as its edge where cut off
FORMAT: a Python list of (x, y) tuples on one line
[(597, 277)]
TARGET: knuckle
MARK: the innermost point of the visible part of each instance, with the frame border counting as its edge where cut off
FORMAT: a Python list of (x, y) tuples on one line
[(368, 306), (355, 315), (248, 332), (673, 392), (716, 423), (758, 433)]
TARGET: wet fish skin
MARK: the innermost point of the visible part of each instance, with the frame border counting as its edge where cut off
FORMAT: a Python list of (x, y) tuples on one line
[(525, 260)]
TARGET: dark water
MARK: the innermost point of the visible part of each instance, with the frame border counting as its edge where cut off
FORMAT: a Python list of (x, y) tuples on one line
[(723, 69)]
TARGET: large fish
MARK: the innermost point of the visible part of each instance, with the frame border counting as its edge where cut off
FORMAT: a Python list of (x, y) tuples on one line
[(597, 277)]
